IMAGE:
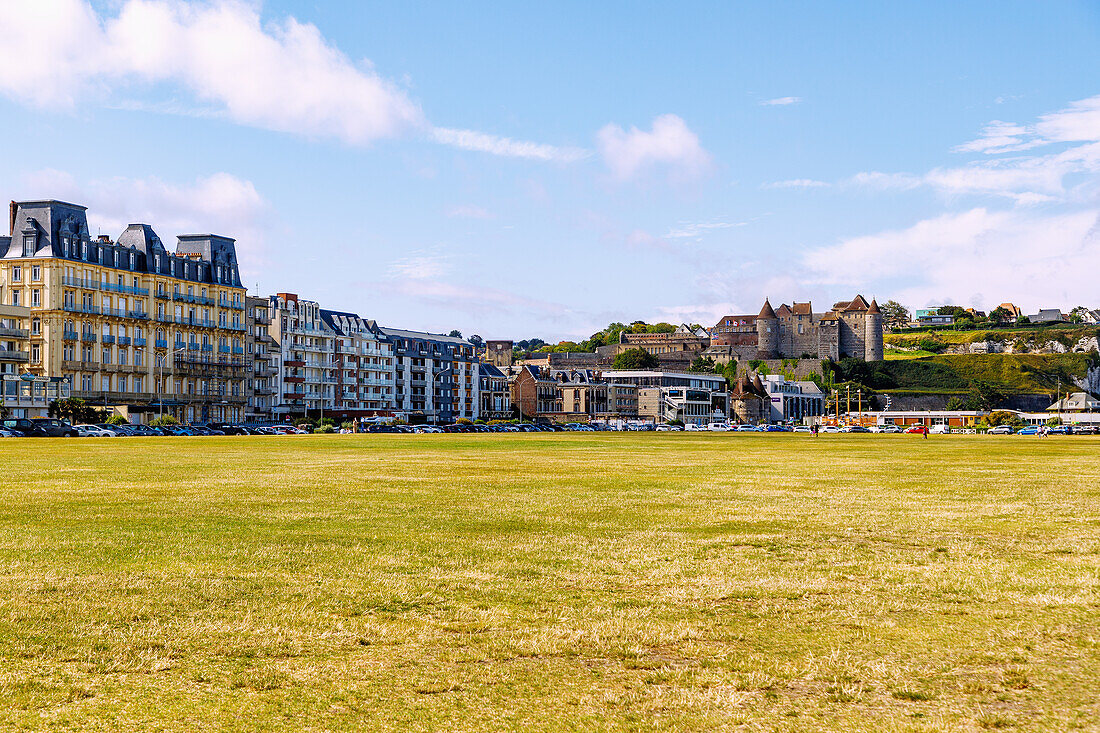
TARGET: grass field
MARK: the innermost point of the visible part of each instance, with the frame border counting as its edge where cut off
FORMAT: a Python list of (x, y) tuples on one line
[(550, 582)]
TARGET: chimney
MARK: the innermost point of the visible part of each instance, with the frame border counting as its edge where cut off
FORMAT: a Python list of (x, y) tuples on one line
[(11, 219)]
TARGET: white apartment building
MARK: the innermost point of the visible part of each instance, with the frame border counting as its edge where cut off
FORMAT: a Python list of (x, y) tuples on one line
[(306, 373)]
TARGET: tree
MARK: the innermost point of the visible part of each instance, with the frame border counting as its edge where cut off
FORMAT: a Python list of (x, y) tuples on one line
[(455, 334), (117, 420), (476, 341), (1000, 315), (75, 410), (1077, 315), (895, 314), (636, 359)]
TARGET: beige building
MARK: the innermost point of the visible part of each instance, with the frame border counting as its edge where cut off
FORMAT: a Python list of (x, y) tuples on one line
[(132, 326)]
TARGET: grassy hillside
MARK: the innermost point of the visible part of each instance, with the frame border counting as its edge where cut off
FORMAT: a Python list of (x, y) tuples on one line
[(550, 582), (1009, 373), (1067, 335)]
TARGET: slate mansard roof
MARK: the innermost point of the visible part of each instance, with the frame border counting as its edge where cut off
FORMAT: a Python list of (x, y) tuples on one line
[(58, 229)]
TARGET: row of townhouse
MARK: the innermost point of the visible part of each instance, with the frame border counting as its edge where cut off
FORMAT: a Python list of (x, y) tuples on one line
[(135, 327), (141, 330)]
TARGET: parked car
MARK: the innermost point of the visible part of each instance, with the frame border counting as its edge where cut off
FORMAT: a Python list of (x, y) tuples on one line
[(93, 431), (1030, 430), (917, 430), (1001, 430), (889, 429), (719, 427), (940, 429), (24, 428), (55, 428), (802, 429), (855, 429), (1061, 430), (5, 433), (830, 429)]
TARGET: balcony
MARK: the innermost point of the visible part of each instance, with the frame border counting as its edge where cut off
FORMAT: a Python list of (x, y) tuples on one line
[(207, 347), (223, 349), (163, 294), (108, 338), (114, 288), (161, 343), (86, 309), (13, 355), (80, 366), (197, 299), (140, 315), (138, 341), (123, 340), (87, 337), (69, 336), (238, 349), (18, 333)]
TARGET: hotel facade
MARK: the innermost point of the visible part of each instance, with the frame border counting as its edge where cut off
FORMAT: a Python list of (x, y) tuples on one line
[(129, 324)]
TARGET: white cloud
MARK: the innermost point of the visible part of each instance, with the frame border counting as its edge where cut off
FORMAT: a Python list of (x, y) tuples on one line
[(780, 101), (1025, 179), (973, 256), (797, 183), (690, 230), (469, 212), (504, 146), (219, 204), (420, 265), (282, 75), (669, 145), (999, 137)]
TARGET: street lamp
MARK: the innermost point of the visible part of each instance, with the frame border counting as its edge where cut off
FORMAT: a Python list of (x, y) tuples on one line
[(163, 385), (441, 373)]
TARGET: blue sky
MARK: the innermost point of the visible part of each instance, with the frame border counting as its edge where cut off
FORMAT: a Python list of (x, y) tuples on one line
[(543, 170)]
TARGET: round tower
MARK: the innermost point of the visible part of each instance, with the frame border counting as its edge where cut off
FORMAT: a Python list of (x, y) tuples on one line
[(767, 332), (873, 336)]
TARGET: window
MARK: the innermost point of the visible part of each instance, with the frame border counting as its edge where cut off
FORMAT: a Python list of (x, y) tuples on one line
[(139, 384), (28, 245), (36, 297), (36, 326), (36, 272), (105, 383), (106, 357), (15, 297), (36, 353), (16, 274)]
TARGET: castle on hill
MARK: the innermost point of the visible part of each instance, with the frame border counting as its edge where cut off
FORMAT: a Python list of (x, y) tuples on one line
[(849, 329)]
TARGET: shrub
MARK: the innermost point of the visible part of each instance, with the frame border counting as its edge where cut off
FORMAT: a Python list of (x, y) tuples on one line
[(117, 420), (325, 428), (164, 421)]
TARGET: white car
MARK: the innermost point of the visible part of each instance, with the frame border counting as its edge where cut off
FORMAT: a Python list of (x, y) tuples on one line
[(830, 429), (667, 428), (94, 431), (1001, 430), (940, 429), (693, 427), (802, 429), (889, 429)]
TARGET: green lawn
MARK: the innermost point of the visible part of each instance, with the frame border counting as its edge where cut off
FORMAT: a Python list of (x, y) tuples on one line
[(550, 582)]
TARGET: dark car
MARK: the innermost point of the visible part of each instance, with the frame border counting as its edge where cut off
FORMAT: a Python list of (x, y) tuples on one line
[(56, 428), (24, 428), (227, 429)]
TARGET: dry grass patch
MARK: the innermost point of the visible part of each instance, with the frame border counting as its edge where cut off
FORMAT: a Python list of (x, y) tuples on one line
[(549, 582)]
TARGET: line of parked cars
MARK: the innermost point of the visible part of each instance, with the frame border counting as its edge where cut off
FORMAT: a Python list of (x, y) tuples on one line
[(40, 427), (474, 428)]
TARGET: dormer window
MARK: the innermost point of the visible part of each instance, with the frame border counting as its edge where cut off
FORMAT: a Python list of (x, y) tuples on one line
[(29, 245)]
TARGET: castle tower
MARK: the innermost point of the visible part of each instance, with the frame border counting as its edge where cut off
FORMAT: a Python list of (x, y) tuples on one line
[(873, 341), (767, 332)]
